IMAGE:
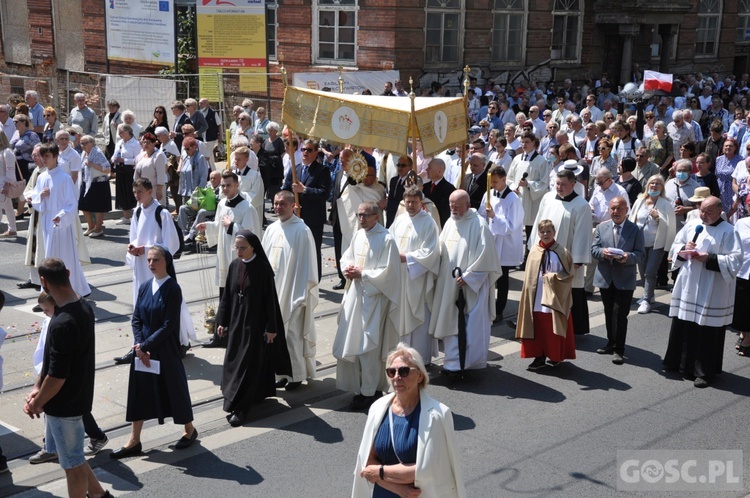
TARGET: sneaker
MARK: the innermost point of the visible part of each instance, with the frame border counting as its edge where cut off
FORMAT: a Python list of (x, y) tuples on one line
[(123, 221), (95, 446), (644, 307), (42, 457)]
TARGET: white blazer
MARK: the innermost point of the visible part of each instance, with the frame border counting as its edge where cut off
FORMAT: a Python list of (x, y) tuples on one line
[(437, 471), (666, 230)]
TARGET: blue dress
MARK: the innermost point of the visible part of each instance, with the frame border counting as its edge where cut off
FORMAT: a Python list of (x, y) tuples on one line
[(405, 436), (724, 169)]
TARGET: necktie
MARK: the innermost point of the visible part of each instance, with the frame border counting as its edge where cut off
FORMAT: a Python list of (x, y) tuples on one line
[(432, 188), (304, 174), (617, 235), (524, 157)]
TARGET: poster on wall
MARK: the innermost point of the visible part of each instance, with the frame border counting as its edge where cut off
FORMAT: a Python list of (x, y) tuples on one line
[(232, 35), (141, 31)]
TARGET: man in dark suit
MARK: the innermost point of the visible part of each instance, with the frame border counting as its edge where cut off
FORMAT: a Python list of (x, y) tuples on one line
[(618, 245), (180, 118), (476, 179), (340, 182), (438, 189), (313, 187), (396, 189)]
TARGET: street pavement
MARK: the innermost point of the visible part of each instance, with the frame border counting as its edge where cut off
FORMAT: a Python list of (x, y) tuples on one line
[(551, 433)]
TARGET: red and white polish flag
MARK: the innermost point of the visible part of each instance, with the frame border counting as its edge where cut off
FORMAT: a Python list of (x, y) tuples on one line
[(653, 80)]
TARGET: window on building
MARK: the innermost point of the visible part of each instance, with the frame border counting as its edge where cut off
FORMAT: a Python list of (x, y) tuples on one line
[(743, 22), (442, 32), (508, 31), (567, 20), (709, 20), (271, 6), (657, 43), (335, 31)]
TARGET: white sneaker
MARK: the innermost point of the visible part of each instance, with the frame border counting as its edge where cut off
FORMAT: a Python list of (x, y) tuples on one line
[(42, 457), (644, 308)]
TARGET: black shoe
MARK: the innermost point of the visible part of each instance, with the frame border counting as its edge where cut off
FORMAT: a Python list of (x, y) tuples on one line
[(617, 359), (29, 285), (185, 442), (127, 452), (452, 375), (537, 363), (553, 363), (340, 285), (605, 350), (237, 419), (700, 383), (361, 402), (291, 386), (126, 358), (184, 350), (281, 383), (37, 309), (215, 342)]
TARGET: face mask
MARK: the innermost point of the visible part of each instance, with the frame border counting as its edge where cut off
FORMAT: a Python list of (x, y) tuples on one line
[(681, 176), (654, 193), (72, 138)]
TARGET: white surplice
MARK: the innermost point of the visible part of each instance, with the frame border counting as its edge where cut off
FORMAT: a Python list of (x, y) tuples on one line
[(507, 226), (251, 186), (538, 182), (244, 217), (290, 248)]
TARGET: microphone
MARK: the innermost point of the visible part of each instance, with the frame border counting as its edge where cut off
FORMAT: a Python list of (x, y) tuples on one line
[(698, 231), (524, 176)]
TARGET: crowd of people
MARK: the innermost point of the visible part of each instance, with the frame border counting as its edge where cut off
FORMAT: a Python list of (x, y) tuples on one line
[(570, 185)]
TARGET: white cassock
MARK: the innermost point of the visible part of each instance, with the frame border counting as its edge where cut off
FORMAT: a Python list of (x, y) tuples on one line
[(145, 231), (538, 186), (466, 243), (361, 345), (427, 205), (417, 238), (353, 196), (700, 295), (251, 186), (290, 248), (573, 221), (244, 217), (386, 165), (507, 226), (60, 241)]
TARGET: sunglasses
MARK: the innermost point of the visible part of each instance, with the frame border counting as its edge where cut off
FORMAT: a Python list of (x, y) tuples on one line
[(403, 372), (402, 165), (307, 150)]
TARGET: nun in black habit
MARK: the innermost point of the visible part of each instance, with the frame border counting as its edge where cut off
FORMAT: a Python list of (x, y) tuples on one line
[(250, 317)]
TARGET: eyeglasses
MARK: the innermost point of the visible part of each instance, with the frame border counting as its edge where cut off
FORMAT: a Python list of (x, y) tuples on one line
[(609, 117), (402, 165), (364, 215), (48, 115), (603, 148), (243, 119), (241, 248), (402, 372), (305, 149), (158, 111), (638, 156)]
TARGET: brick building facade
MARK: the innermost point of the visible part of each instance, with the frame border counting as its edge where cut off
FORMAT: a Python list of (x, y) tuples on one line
[(425, 39)]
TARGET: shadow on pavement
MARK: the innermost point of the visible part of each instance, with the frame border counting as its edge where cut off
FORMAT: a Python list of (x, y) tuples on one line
[(207, 465), (317, 428), (587, 379)]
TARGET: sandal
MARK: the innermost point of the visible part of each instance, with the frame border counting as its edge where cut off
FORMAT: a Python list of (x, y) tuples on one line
[(744, 351), (738, 344), (8, 234)]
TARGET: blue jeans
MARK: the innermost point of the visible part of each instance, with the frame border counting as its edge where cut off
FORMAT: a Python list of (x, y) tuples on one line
[(66, 435)]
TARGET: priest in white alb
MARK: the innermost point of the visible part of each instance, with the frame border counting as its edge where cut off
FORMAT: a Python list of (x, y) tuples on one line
[(369, 190), (233, 213), (416, 235), (466, 243), (290, 248), (708, 253), (372, 268)]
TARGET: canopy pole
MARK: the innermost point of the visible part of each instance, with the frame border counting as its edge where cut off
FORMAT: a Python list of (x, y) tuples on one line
[(290, 145), (462, 185), (341, 80), (413, 126)]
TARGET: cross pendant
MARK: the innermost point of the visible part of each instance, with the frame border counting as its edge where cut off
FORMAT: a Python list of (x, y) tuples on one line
[(240, 296)]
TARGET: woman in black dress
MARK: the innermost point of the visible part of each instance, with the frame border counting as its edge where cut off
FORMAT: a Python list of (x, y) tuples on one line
[(160, 119), (250, 316), (156, 332)]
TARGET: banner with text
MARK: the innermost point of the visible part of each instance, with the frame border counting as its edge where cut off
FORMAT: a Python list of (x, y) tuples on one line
[(141, 31), (232, 35), (354, 81)]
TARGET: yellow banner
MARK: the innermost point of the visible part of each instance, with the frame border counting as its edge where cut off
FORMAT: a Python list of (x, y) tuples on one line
[(210, 83), (375, 121)]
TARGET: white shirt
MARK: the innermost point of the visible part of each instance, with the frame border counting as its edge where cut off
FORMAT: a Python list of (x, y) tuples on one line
[(600, 201)]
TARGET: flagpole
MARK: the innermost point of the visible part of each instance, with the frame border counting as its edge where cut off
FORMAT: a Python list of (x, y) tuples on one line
[(290, 145), (462, 184), (413, 125)]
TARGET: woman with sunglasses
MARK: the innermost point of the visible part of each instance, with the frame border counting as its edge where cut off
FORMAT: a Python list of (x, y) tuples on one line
[(51, 126), (648, 128), (160, 119), (245, 126), (408, 442), (250, 317)]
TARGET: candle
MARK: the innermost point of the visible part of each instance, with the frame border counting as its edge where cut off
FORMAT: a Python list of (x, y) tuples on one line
[(489, 189)]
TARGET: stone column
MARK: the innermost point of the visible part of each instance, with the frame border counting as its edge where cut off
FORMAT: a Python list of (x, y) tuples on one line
[(667, 32), (627, 31)]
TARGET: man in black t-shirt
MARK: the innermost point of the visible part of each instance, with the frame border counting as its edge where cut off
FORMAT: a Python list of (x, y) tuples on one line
[(64, 390)]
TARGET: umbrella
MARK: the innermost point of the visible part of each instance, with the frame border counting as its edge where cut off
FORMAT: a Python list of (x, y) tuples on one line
[(461, 305)]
